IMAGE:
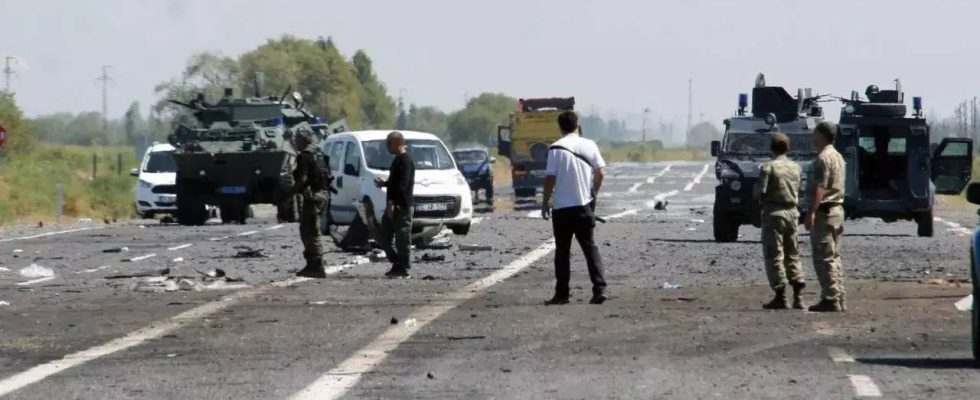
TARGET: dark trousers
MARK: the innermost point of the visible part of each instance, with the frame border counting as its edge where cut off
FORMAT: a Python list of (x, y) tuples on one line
[(580, 223), (397, 234)]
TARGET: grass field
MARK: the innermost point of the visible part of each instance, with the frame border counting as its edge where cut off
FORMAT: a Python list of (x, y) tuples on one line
[(28, 183)]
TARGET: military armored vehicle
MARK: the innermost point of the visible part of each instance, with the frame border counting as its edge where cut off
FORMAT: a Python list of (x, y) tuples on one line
[(745, 146), (239, 153), (893, 169), (525, 141)]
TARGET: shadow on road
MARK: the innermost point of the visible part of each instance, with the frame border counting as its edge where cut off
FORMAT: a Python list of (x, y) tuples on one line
[(878, 234), (922, 363), (701, 241)]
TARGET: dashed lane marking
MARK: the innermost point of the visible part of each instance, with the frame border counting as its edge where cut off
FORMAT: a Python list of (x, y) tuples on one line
[(154, 331), (181, 247), (864, 386), (247, 233), (965, 304), (659, 174), (143, 257), (954, 227), (49, 234), (96, 269), (634, 188), (336, 382), (33, 281), (838, 355), (274, 227), (697, 178)]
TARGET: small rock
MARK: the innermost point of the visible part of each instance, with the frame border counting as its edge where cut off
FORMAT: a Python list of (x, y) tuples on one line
[(394, 321), (430, 376)]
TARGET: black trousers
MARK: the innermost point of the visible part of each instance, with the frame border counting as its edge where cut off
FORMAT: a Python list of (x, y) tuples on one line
[(580, 223)]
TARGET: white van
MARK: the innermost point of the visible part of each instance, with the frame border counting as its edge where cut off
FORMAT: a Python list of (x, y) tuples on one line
[(442, 195), (156, 190)]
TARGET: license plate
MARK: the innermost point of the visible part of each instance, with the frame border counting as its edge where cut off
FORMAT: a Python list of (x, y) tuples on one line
[(432, 207), (166, 199), (231, 190)]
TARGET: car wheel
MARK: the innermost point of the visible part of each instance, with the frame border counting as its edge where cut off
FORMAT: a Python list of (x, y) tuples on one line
[(725, 229), (488, 192), (925, 224), (461, 230)]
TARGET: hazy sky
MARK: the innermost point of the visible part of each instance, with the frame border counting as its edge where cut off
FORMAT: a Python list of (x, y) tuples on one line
[(615, 56)]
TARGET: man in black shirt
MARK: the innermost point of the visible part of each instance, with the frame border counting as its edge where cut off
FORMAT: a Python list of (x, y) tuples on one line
[(312, 176), (397, 220)]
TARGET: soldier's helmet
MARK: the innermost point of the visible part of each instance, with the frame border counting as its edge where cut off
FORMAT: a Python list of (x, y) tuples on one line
[(871, 91)]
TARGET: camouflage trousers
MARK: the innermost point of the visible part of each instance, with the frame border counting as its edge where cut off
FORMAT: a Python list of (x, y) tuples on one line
[(309, 227), (825, 238), (780, 247)]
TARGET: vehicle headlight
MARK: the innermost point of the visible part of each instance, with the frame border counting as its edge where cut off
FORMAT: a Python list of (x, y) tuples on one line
[(144, 184), (736, 185), (726, 170), (460, 180)]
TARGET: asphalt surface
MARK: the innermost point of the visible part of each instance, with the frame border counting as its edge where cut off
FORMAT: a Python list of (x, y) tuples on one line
[(685, 321)]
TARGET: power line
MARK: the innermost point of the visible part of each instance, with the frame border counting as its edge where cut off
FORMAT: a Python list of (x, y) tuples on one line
[(105, 96)]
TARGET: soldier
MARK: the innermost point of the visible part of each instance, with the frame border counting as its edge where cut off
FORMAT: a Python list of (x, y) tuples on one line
[(312, 177), (778, 191), (825, 218)]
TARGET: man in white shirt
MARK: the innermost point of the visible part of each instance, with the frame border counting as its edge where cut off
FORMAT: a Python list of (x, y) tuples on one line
[(574, 174)]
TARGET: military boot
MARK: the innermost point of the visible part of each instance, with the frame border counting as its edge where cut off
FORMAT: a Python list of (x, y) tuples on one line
[(798, 296), (778, 301), (313, 269), (826, 306)]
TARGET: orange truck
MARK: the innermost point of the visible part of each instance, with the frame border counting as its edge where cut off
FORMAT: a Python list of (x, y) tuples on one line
[(525, 141)]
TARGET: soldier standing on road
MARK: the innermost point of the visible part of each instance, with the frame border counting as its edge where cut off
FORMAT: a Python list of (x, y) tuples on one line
[(574, 173), (312, 177), (397, 221), (778, 190), (825, 219)]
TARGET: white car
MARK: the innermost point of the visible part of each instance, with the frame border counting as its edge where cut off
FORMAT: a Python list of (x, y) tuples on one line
[(156, 188), (442, 195)]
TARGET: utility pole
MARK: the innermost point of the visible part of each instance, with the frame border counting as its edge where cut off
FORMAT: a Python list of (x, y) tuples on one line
[(690, 107), (105, 97), (8, 72), (645, 112)]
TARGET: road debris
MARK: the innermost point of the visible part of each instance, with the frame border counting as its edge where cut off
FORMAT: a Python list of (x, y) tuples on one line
[(377, 256), (668, 285), (697, 221), (394, 321), (475, 247), (18, 251), (116, 250), (4, 303), (4, 269), (250, 253), (661, 205), (317, 303), (144, 274), (428, 278), (430, 376), (431, 258), (681, 299), (177, 260), (475, 337), (411, 322), (36, 271)]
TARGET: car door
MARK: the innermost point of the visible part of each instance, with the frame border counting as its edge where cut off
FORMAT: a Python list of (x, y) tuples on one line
[(952, 165), (348, 184), (335, 151)]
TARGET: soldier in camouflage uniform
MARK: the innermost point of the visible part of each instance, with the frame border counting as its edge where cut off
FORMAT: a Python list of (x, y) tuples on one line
[(825, 219), (312, 177), (778, 191)]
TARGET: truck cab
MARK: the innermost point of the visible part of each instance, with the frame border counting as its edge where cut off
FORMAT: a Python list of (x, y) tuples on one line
[(525, 141)]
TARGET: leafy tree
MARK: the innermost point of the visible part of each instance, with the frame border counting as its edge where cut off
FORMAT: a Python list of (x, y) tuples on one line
[(133, 124), (427, 119), (20, 135), (702, 134), (378, 106), (207, 73), (479, 120)]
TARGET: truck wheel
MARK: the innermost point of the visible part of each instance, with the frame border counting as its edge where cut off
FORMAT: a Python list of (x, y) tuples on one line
[(461, 230), (288, 209), (234, 209), (924, 221), (725, 229)]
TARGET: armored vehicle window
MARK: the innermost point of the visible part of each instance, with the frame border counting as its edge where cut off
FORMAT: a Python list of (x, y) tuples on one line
[(427, 154), (352, 158), (336, 154), (956, 149), (470, 156), (896, 146), (161, 161)]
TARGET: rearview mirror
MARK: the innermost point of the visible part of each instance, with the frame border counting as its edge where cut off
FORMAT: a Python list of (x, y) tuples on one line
[(973, 193), (134, 172), (715, 148)]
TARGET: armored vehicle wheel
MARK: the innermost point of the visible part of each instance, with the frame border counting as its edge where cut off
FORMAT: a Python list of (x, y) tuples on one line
[(924, 221), (288, 210), (234, 209), (881, 110), (525, 192), (725, 229), (191, 210)]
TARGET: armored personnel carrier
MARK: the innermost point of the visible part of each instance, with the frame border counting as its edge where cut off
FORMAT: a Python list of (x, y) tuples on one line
[(893, 168), (240, 153), (745, 146)]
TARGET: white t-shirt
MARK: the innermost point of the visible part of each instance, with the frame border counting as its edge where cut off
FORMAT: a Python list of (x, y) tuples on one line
[(573, 177)]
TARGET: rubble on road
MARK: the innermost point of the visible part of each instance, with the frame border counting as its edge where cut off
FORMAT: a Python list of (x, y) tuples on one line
[(431, 258), (4, 269), (247, 252), (661, 205), (377, 256), (4, 303), (143, 274), (36, 271), (475, 337), (475, 247), (668, 285), (116, 250)]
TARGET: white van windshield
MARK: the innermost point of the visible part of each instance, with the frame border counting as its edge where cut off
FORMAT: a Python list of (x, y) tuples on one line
[(427, 154), (160, 161)]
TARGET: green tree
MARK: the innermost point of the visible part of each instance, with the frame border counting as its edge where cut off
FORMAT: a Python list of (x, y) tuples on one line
[(476, 123), (427, 119), (207, 73), (20, 135), (133, 124), (378, 106)]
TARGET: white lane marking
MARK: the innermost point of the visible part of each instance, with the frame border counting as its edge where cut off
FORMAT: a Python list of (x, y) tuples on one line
[(181, 247), (697, 178), (154, 331), (217, 239), (476, 220), (965, 304), (48, 234), (838, 355), (864, 386), (272, 228), (336, 382), (89, 271), (954, 227), (623, 214), (143, 257), (659, 174), (634, 188), (247, 233), (33, 281)]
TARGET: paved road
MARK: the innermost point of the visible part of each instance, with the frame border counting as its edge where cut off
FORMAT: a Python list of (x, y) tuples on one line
[(473, 325)]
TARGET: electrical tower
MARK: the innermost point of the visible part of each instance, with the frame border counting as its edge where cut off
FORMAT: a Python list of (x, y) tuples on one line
[(8, 72), (105, 97), (690, 107)]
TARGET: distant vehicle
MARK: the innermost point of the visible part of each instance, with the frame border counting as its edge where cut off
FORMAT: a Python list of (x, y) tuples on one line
[(525, 141), (442, 196), (745, 147), (892, 171), (476, 165), (239, 154), (156, 190), (973, 196)]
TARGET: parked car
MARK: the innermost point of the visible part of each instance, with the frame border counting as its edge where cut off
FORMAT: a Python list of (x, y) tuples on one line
[(476, 165), (442, 195), (973, 196), (156, 191)]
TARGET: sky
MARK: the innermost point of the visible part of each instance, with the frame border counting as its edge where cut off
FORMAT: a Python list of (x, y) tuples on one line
[(616, 57)]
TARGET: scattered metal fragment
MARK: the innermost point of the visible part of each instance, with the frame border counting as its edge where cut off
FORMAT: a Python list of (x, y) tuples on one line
[(250, 253), (431, 258), (475, 247), (36, 271), (661, 205), (475, 337), (161, 273), (4, 303), (668, 285), (394, 321), (116, 250)]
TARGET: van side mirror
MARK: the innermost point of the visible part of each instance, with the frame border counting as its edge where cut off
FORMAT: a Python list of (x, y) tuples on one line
[(973, 193), (715, 148), (351, 169), (134, 172)]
